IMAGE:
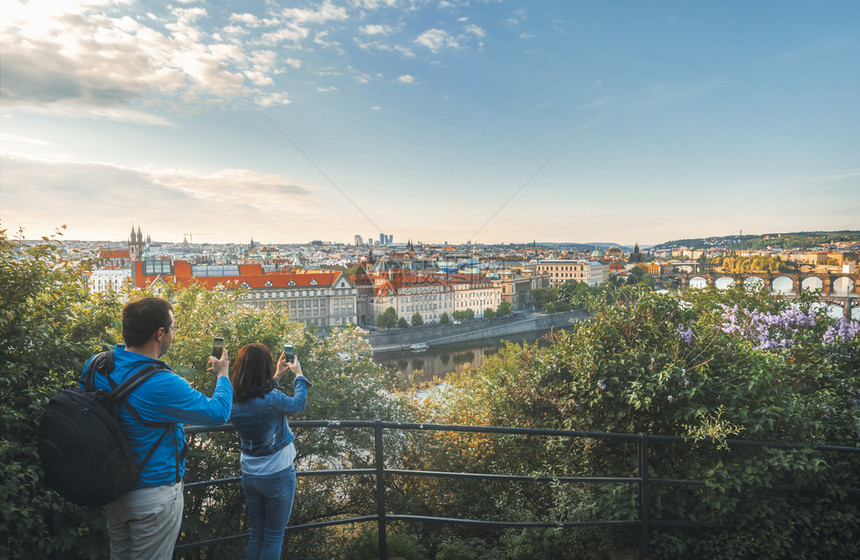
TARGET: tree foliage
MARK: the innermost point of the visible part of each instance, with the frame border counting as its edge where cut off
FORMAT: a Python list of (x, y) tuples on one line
[(710, 366), (463, 314), (50, 325), (761, 263), (701, 366), (387, 319), (504, 309)]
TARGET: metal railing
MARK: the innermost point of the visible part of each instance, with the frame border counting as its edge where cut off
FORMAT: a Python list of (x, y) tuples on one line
[(382, 517)]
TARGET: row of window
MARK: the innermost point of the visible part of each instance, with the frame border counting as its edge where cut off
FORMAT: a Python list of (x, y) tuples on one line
[(295, 294), (421, 307)]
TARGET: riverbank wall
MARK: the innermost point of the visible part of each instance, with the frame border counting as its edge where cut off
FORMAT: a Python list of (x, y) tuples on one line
[(478, 329)]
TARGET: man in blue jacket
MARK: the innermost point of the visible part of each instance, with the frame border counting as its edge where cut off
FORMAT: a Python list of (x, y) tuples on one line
[(144, 523)]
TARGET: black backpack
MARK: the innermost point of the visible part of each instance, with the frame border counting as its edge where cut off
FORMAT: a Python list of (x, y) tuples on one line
[(83, 449)]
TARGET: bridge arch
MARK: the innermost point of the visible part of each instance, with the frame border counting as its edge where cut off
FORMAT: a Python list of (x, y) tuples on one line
[(698, 282), (724, 282), (842, 286), (812, 283), (782, 285), (752, 283)]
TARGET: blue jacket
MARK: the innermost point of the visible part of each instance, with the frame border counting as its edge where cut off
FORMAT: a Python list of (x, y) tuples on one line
[(164, 397), (261, 422)]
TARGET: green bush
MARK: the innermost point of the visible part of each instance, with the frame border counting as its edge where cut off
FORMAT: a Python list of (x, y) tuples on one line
[(399, 544), (49, 325), (709, 366)]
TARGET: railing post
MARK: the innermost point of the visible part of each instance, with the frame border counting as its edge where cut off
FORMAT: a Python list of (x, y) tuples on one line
[(380, 491), (643, 496)]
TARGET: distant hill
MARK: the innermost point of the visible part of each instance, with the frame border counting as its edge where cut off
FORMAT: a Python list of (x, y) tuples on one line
[(800, 240), (585, 246)]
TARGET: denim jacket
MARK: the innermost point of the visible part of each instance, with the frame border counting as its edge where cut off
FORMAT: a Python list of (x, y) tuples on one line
[(261, 422)]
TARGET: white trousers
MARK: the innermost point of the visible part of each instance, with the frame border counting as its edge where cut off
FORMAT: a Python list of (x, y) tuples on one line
[(144, 523)]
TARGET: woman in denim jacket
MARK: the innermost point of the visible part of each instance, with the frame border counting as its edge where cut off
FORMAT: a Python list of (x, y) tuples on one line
[(259, 416)]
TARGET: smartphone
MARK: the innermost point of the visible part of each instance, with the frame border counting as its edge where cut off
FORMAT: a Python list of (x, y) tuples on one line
[(217, 347), (288, 353)]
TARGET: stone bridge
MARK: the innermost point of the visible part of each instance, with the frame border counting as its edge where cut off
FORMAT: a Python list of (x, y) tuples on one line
[(832, 285)]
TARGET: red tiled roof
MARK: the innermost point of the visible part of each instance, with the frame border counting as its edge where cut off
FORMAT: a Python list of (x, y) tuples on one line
[(360, 280), (250, 274), (114, 254)]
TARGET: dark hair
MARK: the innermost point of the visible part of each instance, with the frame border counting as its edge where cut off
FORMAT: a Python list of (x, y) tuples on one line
[(142, 317), (253, 373)]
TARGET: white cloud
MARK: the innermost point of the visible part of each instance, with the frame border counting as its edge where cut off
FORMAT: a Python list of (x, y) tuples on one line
[(327, 12), (289, 33), (375, 4), (69, 110), (87, 55), (249, 20), (436, 39), (406, 79), (375, 30), (320, 38), (475, 30), (272, 99), (6, 139), (372, 45), (44, 194)]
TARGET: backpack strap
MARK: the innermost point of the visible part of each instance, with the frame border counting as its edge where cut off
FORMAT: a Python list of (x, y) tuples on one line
[(122, 391), (119, 394), (104, 364)]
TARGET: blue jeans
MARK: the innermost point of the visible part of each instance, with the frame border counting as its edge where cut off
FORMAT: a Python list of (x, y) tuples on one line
[(270, 501)]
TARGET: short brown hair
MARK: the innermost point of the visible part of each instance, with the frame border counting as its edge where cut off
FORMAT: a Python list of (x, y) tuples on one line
[(142, 317), (253, 373)]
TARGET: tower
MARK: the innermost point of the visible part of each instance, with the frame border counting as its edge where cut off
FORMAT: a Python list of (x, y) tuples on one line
[(635, 256), (136, 245)]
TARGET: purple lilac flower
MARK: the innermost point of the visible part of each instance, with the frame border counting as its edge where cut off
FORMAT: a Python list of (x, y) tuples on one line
[(843, 330), (686, 334), (769, 330)]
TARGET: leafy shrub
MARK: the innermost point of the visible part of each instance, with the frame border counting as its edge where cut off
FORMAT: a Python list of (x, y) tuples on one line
[(400, 545), (675, 366), (49, 325)]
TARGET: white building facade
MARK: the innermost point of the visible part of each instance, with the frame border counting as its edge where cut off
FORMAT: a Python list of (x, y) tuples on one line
[(560, 271), (109, 280)]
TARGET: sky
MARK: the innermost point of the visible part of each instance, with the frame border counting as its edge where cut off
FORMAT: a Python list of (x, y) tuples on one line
[(490, 121)]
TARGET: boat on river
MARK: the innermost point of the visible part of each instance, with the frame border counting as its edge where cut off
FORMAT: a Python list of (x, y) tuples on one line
[(419, 347)]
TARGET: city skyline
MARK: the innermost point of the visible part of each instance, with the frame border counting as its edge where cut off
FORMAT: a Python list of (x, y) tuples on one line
[(484, 121)]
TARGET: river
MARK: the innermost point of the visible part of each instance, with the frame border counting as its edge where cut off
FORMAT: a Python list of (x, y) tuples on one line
[(437, 362)]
